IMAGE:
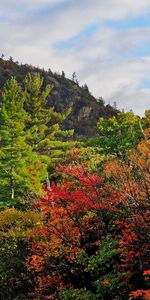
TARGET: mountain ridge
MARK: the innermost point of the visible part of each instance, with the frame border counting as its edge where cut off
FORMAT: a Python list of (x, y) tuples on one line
[(85, 108)]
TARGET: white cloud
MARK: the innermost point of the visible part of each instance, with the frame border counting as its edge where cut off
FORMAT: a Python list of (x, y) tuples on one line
[(121, 82), (139, 100), (101, 58)]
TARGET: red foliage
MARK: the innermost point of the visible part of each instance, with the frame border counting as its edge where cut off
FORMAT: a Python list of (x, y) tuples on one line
[(73, 220), (76, 215)]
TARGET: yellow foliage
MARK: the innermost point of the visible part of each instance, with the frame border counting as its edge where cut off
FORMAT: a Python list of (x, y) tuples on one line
[(132, 178), (19, 224)]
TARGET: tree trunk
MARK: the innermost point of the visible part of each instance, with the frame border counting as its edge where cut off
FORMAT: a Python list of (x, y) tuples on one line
[(47, 181)]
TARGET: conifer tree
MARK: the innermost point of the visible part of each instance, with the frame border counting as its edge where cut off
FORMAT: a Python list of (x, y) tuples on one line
[(15, 154), (45, 135), (38, 114), (30, 140)]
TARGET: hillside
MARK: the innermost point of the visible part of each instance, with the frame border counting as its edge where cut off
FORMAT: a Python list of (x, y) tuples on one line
[(86, 110)]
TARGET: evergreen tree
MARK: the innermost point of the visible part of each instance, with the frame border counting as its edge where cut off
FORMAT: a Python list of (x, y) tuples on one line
[(15, 154), (38, 114), (45, 135), (75, 78), (30, 140)]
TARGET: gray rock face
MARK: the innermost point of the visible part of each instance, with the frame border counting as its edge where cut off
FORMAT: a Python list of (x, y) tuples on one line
[(66, 93)]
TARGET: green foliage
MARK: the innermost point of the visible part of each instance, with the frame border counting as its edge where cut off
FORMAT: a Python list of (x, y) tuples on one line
[(103, 269), (44, 133), (104, 256), (38, 114), (14, 150), (118, 135), (76, 294), (112, 284), (28, 144)]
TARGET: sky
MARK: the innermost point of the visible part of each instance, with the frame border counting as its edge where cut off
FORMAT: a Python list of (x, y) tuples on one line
[(106, 42)]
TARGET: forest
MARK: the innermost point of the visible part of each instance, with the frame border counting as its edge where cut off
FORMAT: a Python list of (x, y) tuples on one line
[(74, 212)]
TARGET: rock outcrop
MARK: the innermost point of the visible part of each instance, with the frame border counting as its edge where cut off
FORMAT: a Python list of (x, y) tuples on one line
[(86, 110)]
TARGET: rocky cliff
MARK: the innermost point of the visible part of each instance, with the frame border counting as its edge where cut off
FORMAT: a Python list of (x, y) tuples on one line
[(86, 110)]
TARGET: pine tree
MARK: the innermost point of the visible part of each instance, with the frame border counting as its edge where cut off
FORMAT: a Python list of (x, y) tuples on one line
[(38, 114), (15, 155), (30, 140), (45, 135)]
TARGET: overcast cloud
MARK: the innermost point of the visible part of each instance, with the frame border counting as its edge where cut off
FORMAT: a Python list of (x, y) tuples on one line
[(106, 42)]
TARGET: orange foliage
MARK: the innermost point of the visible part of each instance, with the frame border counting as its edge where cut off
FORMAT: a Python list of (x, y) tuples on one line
[(140, 295)]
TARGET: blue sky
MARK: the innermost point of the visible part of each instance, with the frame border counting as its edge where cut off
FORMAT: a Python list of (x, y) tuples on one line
[(106, 42)]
